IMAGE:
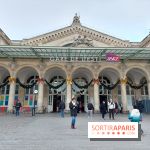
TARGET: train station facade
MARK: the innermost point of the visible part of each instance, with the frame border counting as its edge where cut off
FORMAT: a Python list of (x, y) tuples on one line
[(74, 60)]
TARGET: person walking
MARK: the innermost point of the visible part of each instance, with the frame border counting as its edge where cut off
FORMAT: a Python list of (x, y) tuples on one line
[(116, 107), (111, 107), (61, 108), (140, 107), (73, 110), (90, 108), (18, 105), (103, 109)]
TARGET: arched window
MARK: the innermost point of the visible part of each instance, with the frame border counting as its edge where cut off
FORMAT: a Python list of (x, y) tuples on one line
[(4, 94), (102, 89), (29, 93)]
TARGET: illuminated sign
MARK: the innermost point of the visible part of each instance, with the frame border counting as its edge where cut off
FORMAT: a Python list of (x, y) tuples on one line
[(111, 57)]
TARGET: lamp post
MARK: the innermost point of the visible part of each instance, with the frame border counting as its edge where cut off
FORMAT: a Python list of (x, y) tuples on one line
[(34, 102)]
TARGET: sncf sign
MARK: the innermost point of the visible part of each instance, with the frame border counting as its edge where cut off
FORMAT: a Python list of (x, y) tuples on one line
[(111, 57)]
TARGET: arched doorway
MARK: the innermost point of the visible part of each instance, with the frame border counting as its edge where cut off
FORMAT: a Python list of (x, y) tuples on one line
[(137, 88), (4, 88), (27, 76), (81, 87), (55, 91), (108, 78)]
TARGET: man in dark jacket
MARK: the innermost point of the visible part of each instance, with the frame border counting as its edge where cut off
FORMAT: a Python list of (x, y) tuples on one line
[(140, 106), (18, 105), (103, 109), (90, 109), (73, 110), (61, 108)]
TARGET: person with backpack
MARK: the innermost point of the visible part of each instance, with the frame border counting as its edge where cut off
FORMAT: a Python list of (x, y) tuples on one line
[(90, 108)]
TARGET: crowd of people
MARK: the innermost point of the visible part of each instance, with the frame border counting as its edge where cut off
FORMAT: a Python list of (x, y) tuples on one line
[(111, 107)]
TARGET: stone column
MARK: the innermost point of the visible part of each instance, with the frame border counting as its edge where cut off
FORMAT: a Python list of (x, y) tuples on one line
[(69, 92), (96, 95), (12, 81), (40, 95), (148, 85), (123, 94)]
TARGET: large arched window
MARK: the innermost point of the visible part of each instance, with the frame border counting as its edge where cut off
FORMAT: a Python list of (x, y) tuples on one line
[(102, 89), (4, 94), (29, 93)]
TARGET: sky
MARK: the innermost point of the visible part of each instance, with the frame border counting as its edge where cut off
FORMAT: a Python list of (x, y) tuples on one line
[(124, 19)]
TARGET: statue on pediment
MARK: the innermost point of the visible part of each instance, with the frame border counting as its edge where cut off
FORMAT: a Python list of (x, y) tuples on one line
[(76, 20)]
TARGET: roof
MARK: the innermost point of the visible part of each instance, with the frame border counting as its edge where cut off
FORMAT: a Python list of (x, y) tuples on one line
[(69, 53)]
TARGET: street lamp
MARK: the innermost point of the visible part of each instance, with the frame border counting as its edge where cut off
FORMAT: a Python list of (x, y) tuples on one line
[(34, 102)]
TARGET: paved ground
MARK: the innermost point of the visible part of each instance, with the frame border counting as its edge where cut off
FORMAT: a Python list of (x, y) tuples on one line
[(50, 132)]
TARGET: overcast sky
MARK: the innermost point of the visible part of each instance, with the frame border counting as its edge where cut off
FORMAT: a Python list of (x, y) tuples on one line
[(125, 19)]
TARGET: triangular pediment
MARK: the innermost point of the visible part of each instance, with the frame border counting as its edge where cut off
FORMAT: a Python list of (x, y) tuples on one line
[(4, 39), (145, 42), (76, 35)]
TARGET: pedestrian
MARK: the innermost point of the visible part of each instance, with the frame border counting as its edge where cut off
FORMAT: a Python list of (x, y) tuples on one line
[(34, 107), (140, 107), (111, 107), (18, 106), (116, 107), (135, 116), (103, 109), (121, 108), (90, 108), (73, 110), (61, 108)]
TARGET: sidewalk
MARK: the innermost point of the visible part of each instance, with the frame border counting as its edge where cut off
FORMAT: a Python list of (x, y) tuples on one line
[(50, 132)]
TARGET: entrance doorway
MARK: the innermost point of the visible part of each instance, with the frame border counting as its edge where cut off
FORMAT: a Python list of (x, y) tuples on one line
[(103, 98), (56, 102), (80, 100)]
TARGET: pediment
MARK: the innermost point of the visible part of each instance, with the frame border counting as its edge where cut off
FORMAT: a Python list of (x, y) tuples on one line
[(145, 42), (4, 40), (76, 36)]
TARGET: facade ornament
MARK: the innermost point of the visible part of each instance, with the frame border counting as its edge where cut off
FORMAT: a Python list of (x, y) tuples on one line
[(41, 66), (69, 67), (123, 80), (41, 80), (12, 65), (69, 80), (76, 20), (12, 79), (95, 81), (82, 40)]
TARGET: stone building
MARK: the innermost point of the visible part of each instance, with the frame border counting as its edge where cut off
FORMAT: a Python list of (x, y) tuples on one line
[(74, 60)]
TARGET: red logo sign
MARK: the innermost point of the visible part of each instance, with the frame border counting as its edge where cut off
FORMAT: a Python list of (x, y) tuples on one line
[(111, 57)]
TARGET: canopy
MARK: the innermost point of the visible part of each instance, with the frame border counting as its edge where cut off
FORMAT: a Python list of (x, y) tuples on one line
[(70, 53)]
